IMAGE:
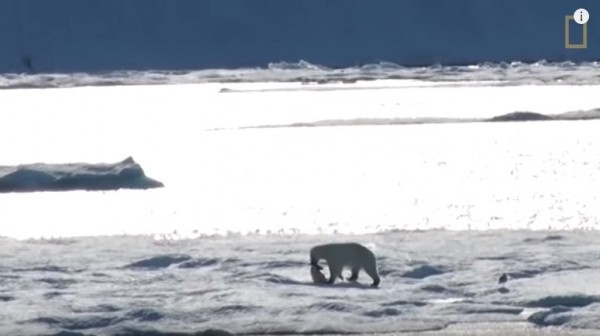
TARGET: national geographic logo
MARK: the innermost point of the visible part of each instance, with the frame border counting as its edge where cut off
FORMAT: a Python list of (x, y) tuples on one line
[(581, 17)]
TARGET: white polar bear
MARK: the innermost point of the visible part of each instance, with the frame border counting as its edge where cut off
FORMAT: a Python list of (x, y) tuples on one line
[(338, 256)]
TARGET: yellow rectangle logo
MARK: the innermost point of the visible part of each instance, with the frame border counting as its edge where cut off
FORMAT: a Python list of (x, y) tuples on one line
[(568, 44)]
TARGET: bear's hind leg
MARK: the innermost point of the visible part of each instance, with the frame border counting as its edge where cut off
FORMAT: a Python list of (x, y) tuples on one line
[(372, 272)]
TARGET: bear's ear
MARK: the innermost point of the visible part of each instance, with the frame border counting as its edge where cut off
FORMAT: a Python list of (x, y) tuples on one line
[(317, 266)]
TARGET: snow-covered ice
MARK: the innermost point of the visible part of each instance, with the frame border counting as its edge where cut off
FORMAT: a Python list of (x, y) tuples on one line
[(447, 208), (261, 284)]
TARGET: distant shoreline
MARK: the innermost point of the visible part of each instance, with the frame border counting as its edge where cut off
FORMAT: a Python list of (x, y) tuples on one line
[(508, 117)]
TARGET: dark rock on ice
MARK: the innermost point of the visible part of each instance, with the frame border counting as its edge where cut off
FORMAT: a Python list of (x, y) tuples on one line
[(44, 269), (196, 263), (422, 272), (404, 303), (553, 237), (126, 174), (101, 308), (228, 310), (161, 261), (556, 316), (68, 333), (503, 278), (146, 332), (331, 306), (144, 315), (564, 301), (521, 116), (383, 312), (52, 295), (79, 322), (435, 289), (213, 332), (59, 283), (6, 298)]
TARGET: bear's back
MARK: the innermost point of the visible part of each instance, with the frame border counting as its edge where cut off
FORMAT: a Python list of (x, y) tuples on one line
[(344, 252)]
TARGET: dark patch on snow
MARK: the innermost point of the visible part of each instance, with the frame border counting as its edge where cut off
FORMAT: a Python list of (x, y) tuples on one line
[(94, 321), (439, 289), (331, 306), (294, 295), (55, 241), (564, 301), (545, 239), (231, 261), (58, 283), (496, 258), (554, 237), (279, 279), (9, 276), (435, 289), (49, 268), (285, 264), (201, 292), (213, 332), (144, 315), (475, 309), (404, 303), (423, 272), (69, 333), (79, 322), (555, 316), (148, 332), (75, 176), (532, 272), (197, 263), (383, 312), (52, 295), (161, 261), (383, 270), (525, 273), (101, 308), (349, 284), (234, 309), (6, 298)]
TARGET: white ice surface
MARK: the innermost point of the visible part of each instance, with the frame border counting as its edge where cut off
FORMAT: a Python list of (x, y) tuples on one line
[(261, 284), (345, 179), (355, 180)]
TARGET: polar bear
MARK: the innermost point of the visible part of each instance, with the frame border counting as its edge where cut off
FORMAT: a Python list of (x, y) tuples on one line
[(340, 255)]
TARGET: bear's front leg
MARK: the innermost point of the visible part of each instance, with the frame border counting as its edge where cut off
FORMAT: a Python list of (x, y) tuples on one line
[(334, 272)]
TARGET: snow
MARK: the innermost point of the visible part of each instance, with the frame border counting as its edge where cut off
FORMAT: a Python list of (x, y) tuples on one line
[(261, 284), (535, 175), (75, 176), (69, 36), (446, 208)]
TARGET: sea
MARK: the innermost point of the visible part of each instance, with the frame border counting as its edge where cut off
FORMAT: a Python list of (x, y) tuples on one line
[(260, 165)]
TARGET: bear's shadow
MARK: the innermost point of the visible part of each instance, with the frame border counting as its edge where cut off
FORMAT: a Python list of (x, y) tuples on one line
[(355, 285), (283, 280)]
